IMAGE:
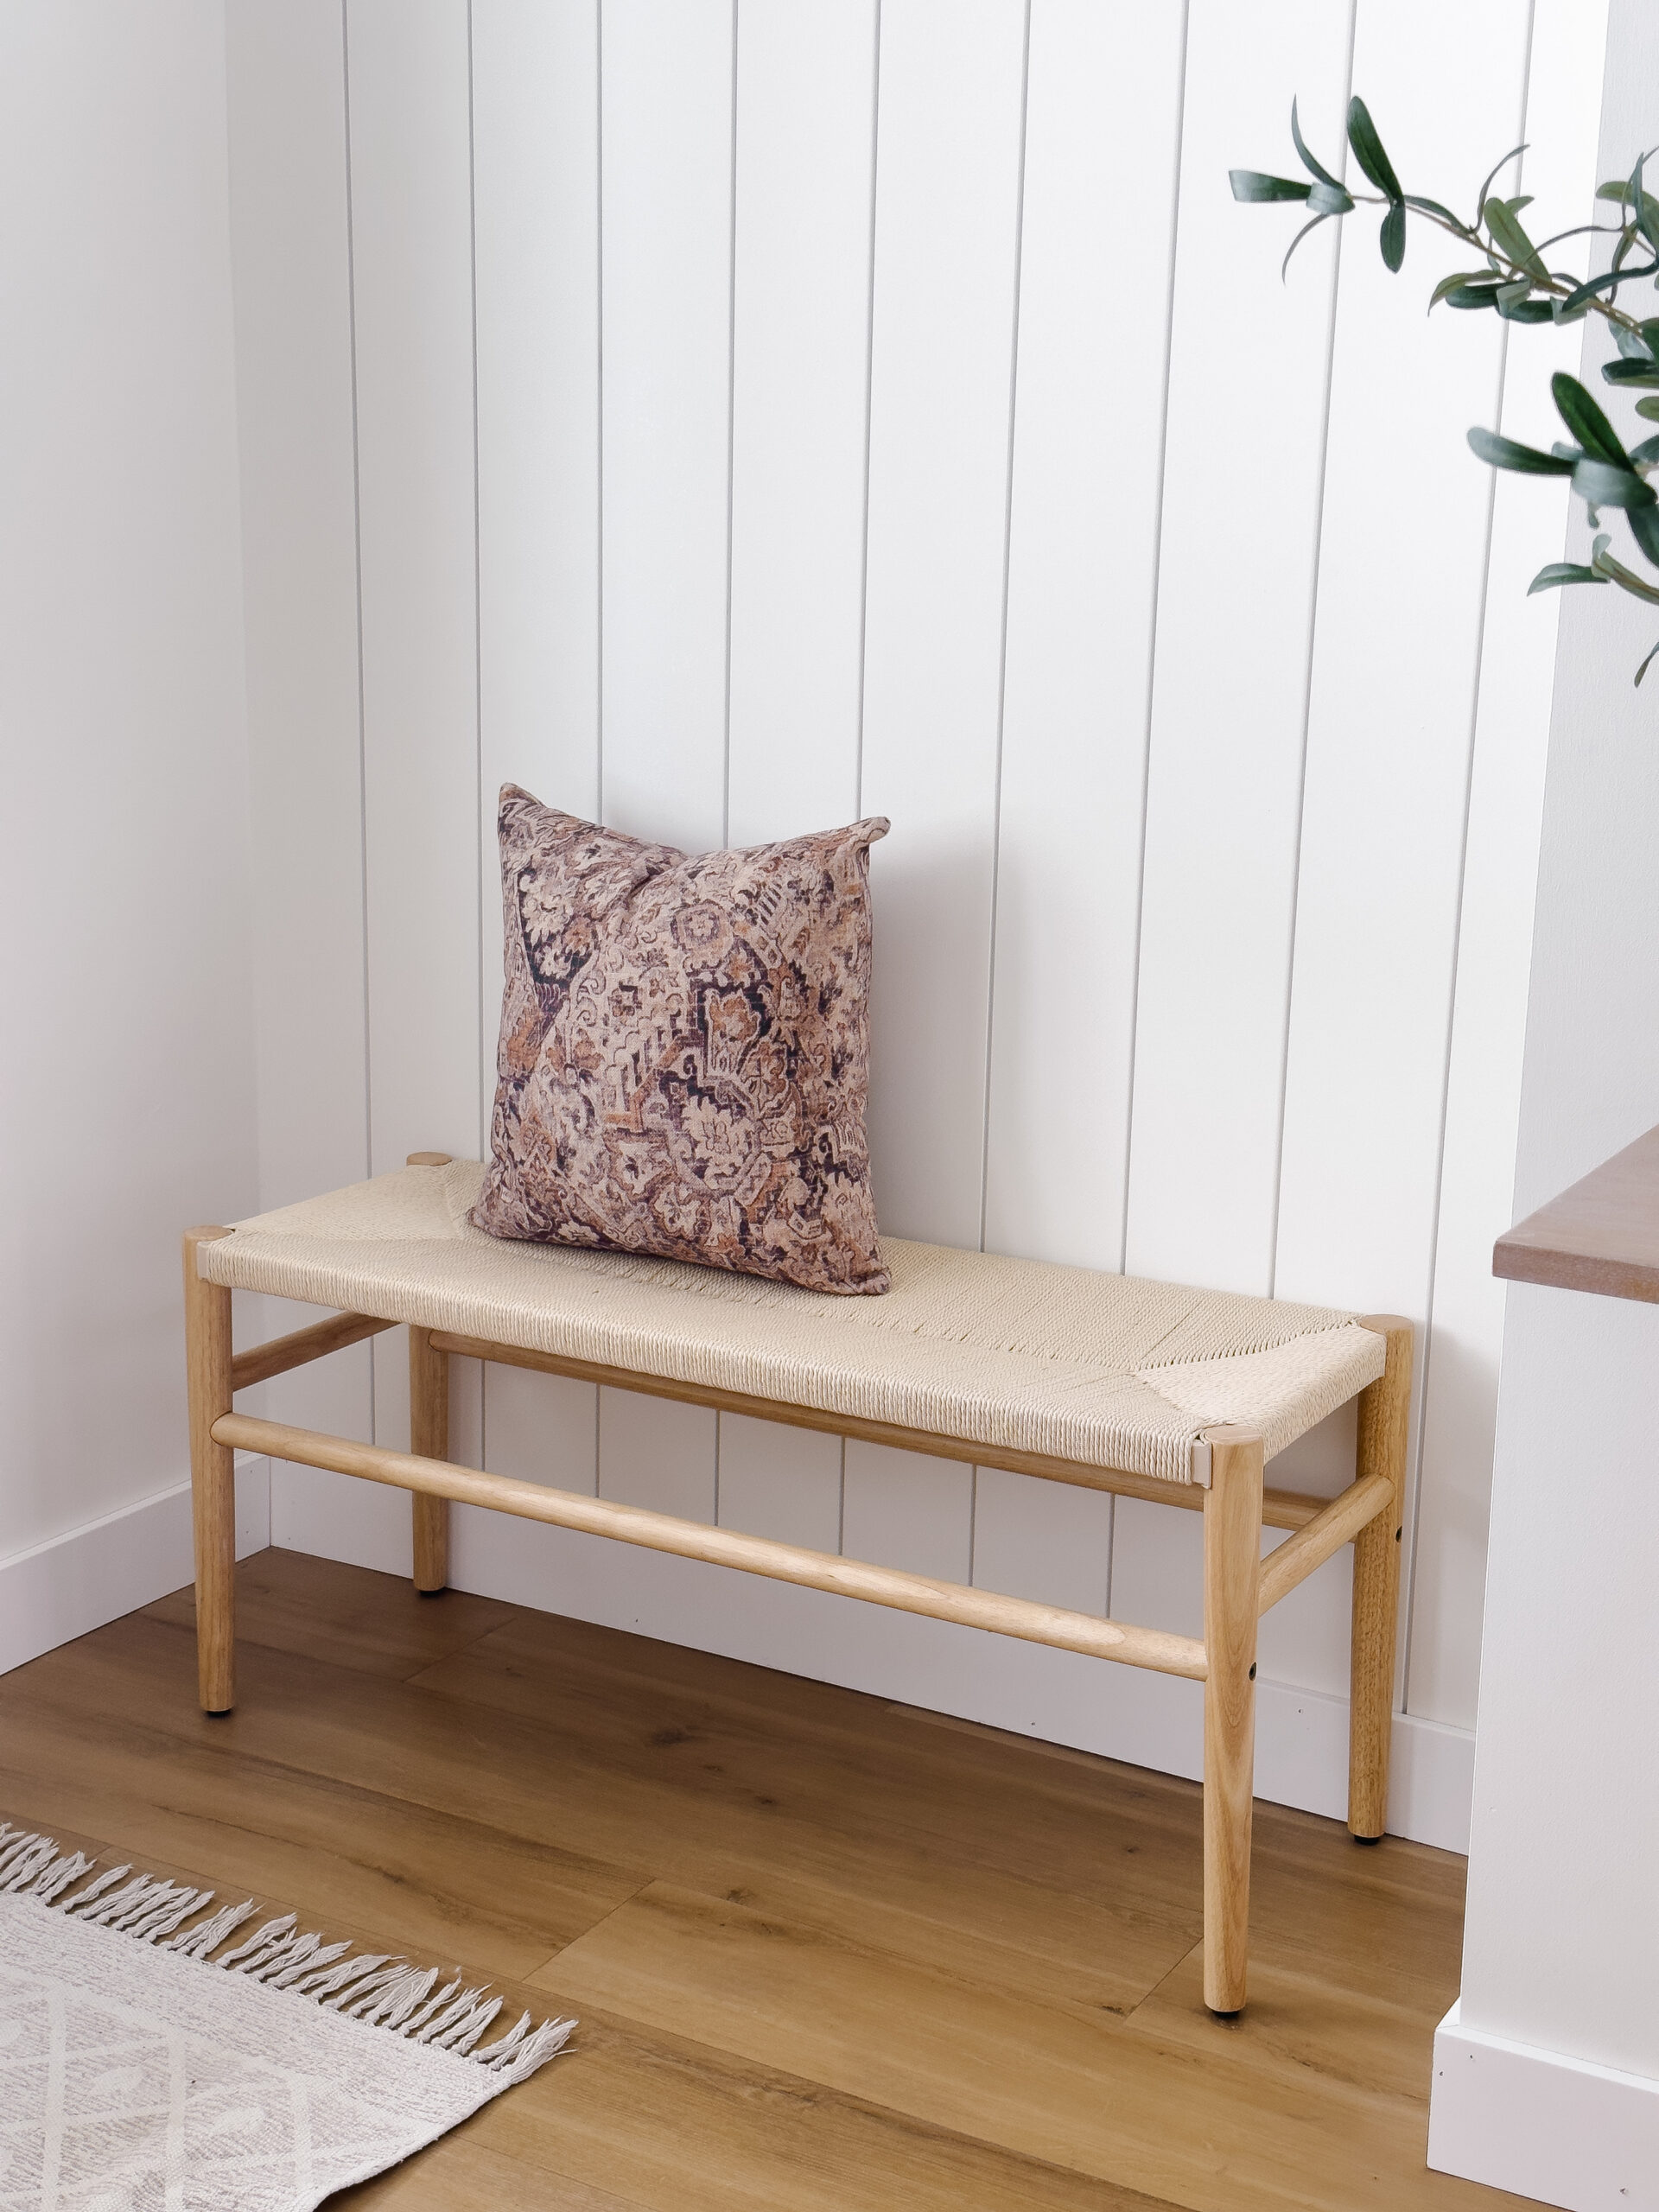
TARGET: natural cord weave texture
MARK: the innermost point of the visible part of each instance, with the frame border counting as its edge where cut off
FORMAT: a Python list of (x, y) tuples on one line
[(1013, 1355), (143, 2073)]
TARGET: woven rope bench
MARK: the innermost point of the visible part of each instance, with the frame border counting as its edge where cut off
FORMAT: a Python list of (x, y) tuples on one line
[(1142, 1389)]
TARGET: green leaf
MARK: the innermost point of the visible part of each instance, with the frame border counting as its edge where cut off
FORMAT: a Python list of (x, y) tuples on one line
[(1599, 484), (1649, 335), (1648, 410), (1525, 311), (1646, 664), (1480, 197), (1586, 421), (1451, 284), (1430, 208), (1368, 152), (1392, 237), (1250, 184), (1518, 287), (1617, 188), (1631, 344), (1330, 199), (1472, 295), (1503, 453), (1618, 573), (1306, 227), (1609, 281), (1563, 572), (1315, 169), (1647, 215), (1512, 241), (1647, 453), (1642, 373), (1645, 529)]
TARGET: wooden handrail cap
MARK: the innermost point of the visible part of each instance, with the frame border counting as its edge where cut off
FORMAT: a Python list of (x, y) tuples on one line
[(429, 1160)]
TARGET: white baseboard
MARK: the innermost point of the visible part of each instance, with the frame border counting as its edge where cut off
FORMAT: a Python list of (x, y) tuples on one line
[(1535, 2122), (76, 1582), (1152, 1720)]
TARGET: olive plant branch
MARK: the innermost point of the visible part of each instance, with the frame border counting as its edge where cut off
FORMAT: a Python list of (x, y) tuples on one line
[(1519, 286)]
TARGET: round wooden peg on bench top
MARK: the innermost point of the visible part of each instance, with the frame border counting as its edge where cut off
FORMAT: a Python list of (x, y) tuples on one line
[(429, 1159)]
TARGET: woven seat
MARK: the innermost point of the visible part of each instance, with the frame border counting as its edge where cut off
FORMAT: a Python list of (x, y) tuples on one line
[(1016, 1356)]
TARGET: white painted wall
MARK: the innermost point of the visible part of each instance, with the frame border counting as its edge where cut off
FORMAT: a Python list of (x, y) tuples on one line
[(127, 1104), (1561, 1942), (732, 416)]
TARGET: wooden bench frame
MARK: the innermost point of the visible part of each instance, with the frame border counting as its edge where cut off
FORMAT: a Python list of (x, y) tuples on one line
[(1239, 1586)]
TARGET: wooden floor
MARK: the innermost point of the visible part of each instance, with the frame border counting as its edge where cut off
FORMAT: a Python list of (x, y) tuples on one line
[(828, 1955)]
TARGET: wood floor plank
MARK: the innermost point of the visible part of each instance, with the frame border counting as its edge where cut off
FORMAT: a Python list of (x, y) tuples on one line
[(453, 1885), (377, 1623), (459, 2174), (977, 1883), (680, 2127), (1092, 2096)]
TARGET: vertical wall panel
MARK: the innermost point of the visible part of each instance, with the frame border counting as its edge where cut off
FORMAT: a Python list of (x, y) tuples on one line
[(946, 250), (783, 1483), (1495, 916), (290, 242), (805, 143), (1047, 1541), (535, 194), (805, 147), (411, 206), (1390, 726), (666, 152), (1103, 137), (666, 244), (908, 1510), (1237, 559)]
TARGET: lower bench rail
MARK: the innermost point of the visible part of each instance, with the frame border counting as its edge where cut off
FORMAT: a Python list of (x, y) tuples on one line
[(1163, 1653)]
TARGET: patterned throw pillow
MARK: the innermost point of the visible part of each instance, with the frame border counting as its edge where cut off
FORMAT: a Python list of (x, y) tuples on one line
[(684, 1050)]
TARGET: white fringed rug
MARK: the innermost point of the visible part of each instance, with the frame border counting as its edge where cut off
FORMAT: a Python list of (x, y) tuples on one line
[(139, 2073)]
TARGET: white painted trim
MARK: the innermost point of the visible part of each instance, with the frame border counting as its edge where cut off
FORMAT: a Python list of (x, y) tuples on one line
[(71, 1583), (1557, 2129)]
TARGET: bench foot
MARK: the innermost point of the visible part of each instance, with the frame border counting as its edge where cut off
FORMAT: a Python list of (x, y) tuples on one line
[(212, 1478), (1232, 1566), (1384, 1419)]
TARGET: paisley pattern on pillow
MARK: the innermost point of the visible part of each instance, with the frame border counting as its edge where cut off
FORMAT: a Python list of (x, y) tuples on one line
[(684, 1050)]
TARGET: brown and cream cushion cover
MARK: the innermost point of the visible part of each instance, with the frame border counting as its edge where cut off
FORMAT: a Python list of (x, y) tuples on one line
[(684, 1051)]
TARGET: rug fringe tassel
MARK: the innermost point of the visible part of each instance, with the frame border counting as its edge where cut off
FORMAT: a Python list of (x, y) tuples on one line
[(376, 1989)]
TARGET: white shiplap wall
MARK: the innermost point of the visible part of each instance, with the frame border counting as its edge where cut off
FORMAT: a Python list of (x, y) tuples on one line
[(734, 416)]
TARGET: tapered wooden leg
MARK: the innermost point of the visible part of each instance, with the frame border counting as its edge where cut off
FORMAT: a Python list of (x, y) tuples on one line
[(1384, 1423), (213, 1476), (1232, 1565), (429, 1438)]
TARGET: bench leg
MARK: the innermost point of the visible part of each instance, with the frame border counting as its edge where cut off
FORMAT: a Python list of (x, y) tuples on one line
[(1384, 1420), (213, 1476), (429, 1438), (1232, 1564)]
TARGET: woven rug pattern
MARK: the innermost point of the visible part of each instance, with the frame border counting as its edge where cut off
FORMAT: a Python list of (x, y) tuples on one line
[(154, 2058)]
